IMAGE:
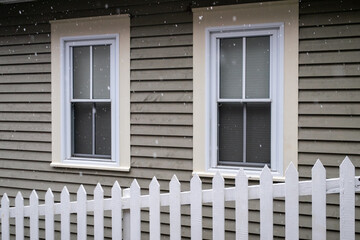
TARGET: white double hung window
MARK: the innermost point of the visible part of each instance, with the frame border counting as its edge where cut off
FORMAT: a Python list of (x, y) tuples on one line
[(90, 104), (244, 71)]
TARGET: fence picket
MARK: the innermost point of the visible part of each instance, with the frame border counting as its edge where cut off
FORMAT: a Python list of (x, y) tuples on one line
[(347, 200), (65, 214), (196, 207), (266, 204), (34, 216), (99, 213), (241, 205), (5, 233), (49, 215), (154, 198), (175, 209), (218, 207), (135, 202), (81, 213), (291, 203), (116, 212), (126, 206), (19, 216), (318, 201)]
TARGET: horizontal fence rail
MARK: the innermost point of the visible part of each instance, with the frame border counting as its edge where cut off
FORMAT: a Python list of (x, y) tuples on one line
[(125, 206)]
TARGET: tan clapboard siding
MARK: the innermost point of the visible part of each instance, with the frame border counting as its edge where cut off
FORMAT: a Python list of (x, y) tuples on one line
[(161, 163), (163, 52), (29, 127), (24, 97), (25, 107), (161, 119), (30, 68), (329, 109), (164, 41), (161, 130), (26, 156), (329, 57), (25, 117), (161, 97), (168, 63), (25, 49), (19, 59), (25, 88), (161, 108), (164, 30), (27, 78), (172, 85), (330, 134), (26, 136), (329, 70), (329, 90), (25, 29), (25, 39), (330, 44), (330, 18), (162, 141), (27, 146), (337, 83)]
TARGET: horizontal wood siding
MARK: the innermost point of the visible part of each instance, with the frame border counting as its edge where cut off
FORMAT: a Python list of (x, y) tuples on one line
[(161, 102), (329, 90)]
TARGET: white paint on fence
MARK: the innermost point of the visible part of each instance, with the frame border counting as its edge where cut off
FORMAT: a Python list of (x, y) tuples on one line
[(292, 203), (65, 213), (81, 213), (99, 212), (196, 207), (266, 204), (34, 216), (218, 207), (125, 207), (5, 227), (347, 200), (19, 218), (175, 209), (318, 201), (154, 202), (116, 212), (135, 206), (49, 215), (241, 205)]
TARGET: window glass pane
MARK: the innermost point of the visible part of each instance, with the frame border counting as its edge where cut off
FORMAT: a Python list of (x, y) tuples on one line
[(103, 129), (258, 132), (81, 72), (82, 128), (231, 68), (101, 72), (230, 132), (257, 67)]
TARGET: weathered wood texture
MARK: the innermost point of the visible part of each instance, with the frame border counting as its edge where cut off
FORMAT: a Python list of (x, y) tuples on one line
[(329, 90)]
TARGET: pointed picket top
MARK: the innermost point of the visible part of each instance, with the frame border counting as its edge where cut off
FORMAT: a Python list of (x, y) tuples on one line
[(291, 170), (19, 198), (33, 196), (81, 192), (116, 189), (265, 173), (134, 185), (98, 189), (318, 167), (218, 179), (49, 196), (4, 199), (174, 181), (241, 174), (64, 193), (154, 183), (346, 164), (195, 180)]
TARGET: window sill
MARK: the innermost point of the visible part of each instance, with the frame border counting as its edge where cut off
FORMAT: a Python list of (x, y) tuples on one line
[(88, 166), (253, 175)]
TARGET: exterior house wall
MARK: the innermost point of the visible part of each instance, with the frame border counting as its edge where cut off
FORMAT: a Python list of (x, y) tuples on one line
[(161, 100)]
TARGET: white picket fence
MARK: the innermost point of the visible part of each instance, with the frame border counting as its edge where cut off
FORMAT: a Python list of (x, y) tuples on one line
[(126, 205)]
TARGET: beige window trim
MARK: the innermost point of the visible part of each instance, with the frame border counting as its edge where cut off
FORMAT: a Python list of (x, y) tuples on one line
[(285, 12), (105, 25)]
